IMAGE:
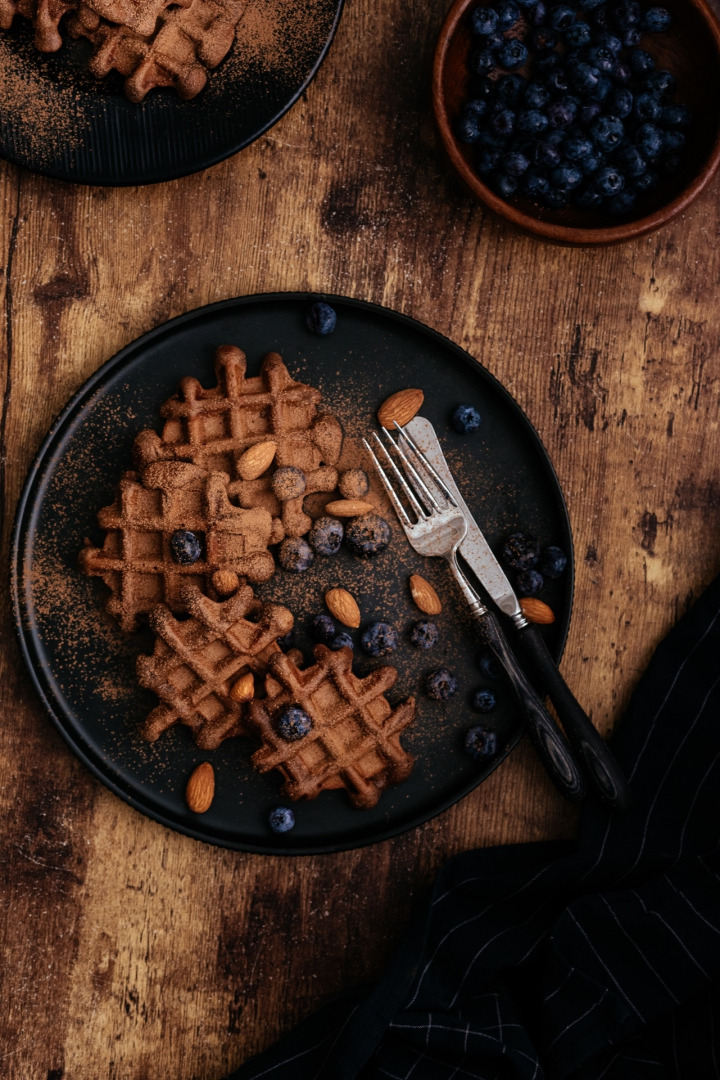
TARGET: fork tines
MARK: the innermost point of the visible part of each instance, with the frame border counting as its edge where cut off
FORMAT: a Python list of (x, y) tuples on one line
[(418, 491)]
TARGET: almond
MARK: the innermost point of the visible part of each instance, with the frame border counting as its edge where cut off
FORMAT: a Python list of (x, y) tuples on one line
[(244, 688), (343, 606), (400, 408), (424, 595), (536, 610), (256, 460), (200, 789), (225, 582), (348, 508)]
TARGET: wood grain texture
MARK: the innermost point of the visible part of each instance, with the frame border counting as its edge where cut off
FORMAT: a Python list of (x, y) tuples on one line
[(131, 952)]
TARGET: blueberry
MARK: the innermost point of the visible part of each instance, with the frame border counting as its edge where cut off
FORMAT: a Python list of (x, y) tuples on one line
[(622, 73), (520, 551), (537, 14), (502, 122), (631, 37), (529, 582), (590, 165), (532, 122), (561, 17), (323, 629), (510, 89), (512, 55), (553, 561), (660, 83), (288, 482), (631, 161), (621, 102), (281, 819), (609, 181), (515, 164), (601, 58), (647, 108), (483, 21), (488, 161), (508, 14), (627, 13), (624, 203), (326, 536), (482, 60), (467, 128), (342, 641), (484, 700), (560, 115), (565, 178), (607, 132), (603, 90), (295, 554), (641, 62), (607, 40), (676, 116), (588, 112), (557, 81), (648, 181), (380, 639), (186, 547), (424, 634), (480, 743), (584, 77), (578, 35), (321, 319), (673, 141), (536, 96), (535, 183), (440, 685), (578, 147), (465, 419), (368, 535), (505, 186), (489, 666), (656, 20), (292, 723), (588, 199), (547, 151), (649, 140)]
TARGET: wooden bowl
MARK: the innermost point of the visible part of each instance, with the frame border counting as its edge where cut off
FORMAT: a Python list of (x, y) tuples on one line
[(690, 49)]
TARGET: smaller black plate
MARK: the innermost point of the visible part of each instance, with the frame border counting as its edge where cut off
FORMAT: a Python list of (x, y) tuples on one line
[(57, 119), (84, 667)]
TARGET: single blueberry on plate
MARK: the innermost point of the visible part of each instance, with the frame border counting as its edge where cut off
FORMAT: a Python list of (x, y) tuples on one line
[(380, 639), (321, 319), (480, 743), (323, 629), (292, 723), (520, 551), (465, 419), (186, 547), (440, 685), (368, 535), (281, 819), (529, 582), (424, 634), (484, 700), (295, 554), (553, 561), (326, 536), (489, 666), (342, 641)]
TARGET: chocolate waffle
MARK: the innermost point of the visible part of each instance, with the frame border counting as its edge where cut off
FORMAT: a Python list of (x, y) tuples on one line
[(182, 44), (213, 427), (355, 738), (136, 560), (45, 16), (197, 661)]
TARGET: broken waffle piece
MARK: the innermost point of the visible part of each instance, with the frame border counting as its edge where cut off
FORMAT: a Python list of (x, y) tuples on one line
[(198, 661), (45, 16), (214, 428), (171, 525), (325, 728)]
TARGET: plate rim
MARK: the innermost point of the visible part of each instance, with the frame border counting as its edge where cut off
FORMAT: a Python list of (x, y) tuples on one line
[(167, 175), (20, 534)]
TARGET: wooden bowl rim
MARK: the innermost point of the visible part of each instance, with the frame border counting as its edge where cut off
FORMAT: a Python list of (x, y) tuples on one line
[(551, 230)]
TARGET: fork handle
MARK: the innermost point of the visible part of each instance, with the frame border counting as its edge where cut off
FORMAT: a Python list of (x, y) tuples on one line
[(547, 738), (600, 765)]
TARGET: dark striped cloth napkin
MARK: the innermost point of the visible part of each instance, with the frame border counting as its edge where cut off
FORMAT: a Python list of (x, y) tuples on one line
[(596, 960)]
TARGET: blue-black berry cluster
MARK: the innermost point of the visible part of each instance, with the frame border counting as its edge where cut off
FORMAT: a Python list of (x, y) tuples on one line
[(590, 121), (531, 563)]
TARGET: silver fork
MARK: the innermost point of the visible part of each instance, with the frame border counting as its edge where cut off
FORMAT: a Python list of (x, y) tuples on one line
[(439, 530)]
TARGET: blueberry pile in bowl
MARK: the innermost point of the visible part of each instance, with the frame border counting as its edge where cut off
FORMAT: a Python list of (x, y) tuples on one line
[(590, 120)]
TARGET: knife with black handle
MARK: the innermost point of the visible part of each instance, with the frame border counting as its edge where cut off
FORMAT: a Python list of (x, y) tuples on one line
[(600, 766)]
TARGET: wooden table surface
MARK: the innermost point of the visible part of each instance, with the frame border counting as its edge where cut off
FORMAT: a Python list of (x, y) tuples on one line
[(130, 951)]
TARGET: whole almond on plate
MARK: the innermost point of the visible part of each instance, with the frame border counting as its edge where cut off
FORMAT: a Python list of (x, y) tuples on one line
[(536, 610), (200, 789), (343, 606), (256, 460), (400, 408), (348, 508), (424, 595), (244, 688)]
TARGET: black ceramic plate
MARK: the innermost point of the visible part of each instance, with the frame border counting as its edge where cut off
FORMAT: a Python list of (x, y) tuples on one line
[(57, 119), (83, 665)]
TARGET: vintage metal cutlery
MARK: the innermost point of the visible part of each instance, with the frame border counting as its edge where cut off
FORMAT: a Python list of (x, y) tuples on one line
[(439, 528), (597, 760)]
